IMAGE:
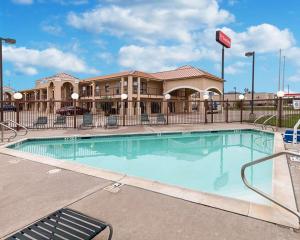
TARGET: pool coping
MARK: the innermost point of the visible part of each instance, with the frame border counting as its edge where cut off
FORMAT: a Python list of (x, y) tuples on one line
[(282, 185)]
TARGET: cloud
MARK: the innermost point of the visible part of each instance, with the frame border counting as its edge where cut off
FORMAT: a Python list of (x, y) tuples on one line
[(28, 60), (71, 2), (52, 29), (203, 46), (263, 38), (159, 58), (149, 22), (26, 70), (25, 2), (235, 68)]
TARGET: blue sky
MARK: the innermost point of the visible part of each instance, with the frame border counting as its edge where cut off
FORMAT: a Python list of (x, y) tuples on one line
[(92, 37)]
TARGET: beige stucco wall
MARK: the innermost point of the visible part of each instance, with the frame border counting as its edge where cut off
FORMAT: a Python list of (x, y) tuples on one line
[(199, 84)]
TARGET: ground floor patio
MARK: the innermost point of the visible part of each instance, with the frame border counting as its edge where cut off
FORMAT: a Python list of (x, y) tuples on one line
[(30, 190)]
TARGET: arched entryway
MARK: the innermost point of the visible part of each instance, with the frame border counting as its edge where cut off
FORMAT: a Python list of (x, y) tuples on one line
[(7, 96), (66, 91)]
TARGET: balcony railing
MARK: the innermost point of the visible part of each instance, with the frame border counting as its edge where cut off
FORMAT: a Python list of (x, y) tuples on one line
[(110, 92)]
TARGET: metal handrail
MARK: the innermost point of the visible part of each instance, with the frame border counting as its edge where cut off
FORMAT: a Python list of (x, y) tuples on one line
[(11, 137), (264, 126), (255, 121), (265, 195), (21, 126)]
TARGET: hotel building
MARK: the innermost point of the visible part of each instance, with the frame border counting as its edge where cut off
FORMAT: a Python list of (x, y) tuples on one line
[(145, 91)]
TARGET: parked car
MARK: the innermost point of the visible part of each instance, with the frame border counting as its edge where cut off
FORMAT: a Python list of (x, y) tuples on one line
[(9, 107), (71, 110)]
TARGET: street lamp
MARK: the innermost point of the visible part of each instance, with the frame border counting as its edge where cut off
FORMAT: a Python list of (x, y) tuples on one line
[(18, 96), (252, 54), (241, 97), (9, 41)]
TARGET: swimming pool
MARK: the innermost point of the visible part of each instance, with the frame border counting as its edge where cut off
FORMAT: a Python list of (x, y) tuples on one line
[(202, 161)]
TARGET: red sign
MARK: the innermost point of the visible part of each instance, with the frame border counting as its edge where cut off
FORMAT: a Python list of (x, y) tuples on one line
[(223, 39)]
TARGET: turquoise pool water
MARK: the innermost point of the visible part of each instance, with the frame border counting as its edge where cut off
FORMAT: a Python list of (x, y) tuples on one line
[(204, 161)]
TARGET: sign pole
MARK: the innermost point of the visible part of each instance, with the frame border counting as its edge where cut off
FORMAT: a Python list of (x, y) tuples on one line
[(222, 73)]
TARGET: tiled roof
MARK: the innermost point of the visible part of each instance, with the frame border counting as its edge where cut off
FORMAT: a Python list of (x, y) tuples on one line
[(122, 74), (183, 72), (61, 76)]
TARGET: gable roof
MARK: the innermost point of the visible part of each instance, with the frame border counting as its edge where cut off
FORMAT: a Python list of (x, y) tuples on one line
[(61, 76), (184, 72), (122, 74)]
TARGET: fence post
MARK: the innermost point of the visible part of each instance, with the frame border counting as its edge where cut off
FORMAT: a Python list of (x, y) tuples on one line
[(123, 102), (205, 110), (18, 114), (167, 111), (279, 112), (241, 117), (212, 110), (75, 116), (227, 106)]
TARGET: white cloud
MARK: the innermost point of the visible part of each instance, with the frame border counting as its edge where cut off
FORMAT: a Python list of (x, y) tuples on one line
[(263, 38), (203, 46), (51, 29), (25, 2), (28, 60), (235, 68), (26, 70), (71, 2), (158, 58), (150, 22)]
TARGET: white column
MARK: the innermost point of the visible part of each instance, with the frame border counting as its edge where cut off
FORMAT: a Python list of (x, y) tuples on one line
[(138, 105), (130, 92), (93, 97)]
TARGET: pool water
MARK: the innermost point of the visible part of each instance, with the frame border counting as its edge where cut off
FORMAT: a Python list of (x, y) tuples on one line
[(204, 161)]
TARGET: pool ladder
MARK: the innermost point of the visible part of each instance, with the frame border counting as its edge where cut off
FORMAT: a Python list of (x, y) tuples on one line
[(4, 126), (265, 195), (264, 124)]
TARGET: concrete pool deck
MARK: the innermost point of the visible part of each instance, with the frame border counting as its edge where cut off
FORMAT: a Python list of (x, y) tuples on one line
[(123, 201)]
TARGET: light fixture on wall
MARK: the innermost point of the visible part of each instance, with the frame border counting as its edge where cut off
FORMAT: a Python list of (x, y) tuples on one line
[(241, 97), (75, 96), (167, 96), (18, 96), (124, 96)]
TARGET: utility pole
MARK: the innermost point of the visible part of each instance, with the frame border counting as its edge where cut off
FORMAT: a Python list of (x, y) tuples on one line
[(283, 73), (279, 75)]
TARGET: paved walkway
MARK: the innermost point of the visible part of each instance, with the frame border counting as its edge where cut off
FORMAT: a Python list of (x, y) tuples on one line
[(28, 192)]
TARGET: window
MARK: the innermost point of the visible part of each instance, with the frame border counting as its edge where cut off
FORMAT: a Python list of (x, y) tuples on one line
[(97, 90), (106, 87)]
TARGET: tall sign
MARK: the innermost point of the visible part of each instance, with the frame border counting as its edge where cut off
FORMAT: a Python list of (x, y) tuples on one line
[(225, 41)]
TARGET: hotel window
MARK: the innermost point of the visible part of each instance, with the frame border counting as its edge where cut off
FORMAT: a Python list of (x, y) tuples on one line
[(97, 90), (144, 87), (135, 85), (107, 87), (84, 90), (117, 88)]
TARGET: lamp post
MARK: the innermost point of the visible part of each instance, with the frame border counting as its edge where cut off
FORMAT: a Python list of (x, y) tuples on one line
[(167, 97), (252, 54), (241, 97), (234, 93), (18, 96), (75, 97), (280, 95), (9, 41), (124, 96), (205, 97)]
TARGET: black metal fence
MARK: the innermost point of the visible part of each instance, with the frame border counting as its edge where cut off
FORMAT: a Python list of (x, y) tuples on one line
[(69, 114)]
